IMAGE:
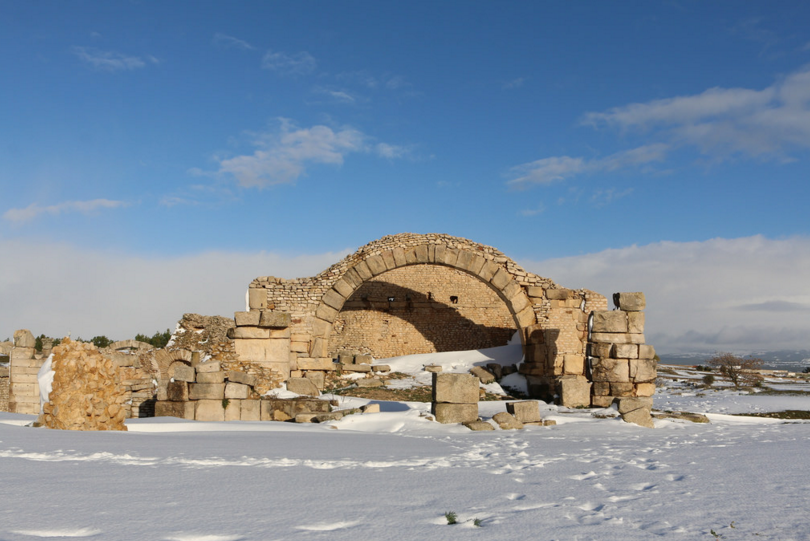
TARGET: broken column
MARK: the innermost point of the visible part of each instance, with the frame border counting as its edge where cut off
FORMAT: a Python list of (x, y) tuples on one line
[(455, 398), (623, 366)]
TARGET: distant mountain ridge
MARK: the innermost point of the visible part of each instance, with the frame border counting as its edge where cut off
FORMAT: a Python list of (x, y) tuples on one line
[(793, 360)]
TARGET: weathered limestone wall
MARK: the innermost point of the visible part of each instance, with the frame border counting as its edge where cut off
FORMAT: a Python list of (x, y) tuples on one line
[(24, 364), (434, 308), (299, 324), (3, 388)]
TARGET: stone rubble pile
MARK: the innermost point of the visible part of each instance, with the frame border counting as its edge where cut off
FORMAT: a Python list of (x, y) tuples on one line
[(86, 393)]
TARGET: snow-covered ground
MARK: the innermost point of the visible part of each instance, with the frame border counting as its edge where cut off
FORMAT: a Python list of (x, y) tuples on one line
[(394, 475)]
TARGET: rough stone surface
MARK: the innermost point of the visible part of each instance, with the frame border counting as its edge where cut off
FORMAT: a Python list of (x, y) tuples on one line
[(609, 321), (24, 339), (433, 368), (183, 410), (455, 389), (185, 373), (209, 410), (483, 375), (455, 413), (177, 391), (370, 408), (478, 425), (507, 421), (206, 391), (87, 393), (236, 391), (526, 411), (630, 302), (302, 386), (574, 392)]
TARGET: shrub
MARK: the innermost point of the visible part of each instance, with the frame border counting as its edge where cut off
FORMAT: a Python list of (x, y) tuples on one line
[(708, 379), (742, 371), (451, 517)]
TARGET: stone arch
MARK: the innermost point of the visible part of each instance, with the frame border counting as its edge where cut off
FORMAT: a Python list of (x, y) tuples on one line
[(166, 357), (130, 344), (495, 272)]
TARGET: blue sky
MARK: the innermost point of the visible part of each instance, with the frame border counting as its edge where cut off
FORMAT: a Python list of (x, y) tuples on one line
[(151, 135)]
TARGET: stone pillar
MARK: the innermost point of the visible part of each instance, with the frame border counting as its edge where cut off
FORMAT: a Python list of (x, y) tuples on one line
[(23, 392), (622, 365), (455, 398)]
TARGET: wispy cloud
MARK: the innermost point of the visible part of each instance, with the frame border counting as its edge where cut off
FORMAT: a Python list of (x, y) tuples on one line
[(229, 42), (539, 209), (720, 122), (282, 157), (83, 207), (558, 168), (337, 95), (112, 60), (300, 63), (514, 83)]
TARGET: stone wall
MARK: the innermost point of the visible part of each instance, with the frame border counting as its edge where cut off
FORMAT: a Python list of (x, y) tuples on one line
[(421, 309), (3, 388), (24, 365)]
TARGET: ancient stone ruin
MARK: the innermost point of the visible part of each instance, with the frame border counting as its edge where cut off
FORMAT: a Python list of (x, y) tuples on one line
[(399, 295), (412, 293), (86, 392)]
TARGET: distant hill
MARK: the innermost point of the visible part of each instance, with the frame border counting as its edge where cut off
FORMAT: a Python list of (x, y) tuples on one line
[(793, 360)]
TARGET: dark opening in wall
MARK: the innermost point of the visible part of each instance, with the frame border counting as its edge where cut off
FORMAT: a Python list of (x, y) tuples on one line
[(453, 299)]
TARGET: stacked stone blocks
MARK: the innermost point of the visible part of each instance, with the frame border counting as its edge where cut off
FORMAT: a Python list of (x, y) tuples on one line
[(455, 398), (622, 365)]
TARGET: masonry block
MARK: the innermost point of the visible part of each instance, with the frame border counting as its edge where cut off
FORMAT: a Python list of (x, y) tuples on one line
[(275, 320), (455, 389), (526, 411), (177, 391), (646, 352), (455, 413), (247, 318), (257, 298), (630, 302), (635, 322), (209, 410), (250, 410), (624, 351), (182, 410), (643, 370), (206, 391), (609, 321), (236, 391), (611, 370), (574, 391), (211, 377)]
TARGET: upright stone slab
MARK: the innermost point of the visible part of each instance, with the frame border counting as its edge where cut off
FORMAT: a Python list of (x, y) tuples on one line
[(452, 388)]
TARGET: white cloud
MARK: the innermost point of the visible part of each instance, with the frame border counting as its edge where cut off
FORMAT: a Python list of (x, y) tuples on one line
[(83, 207), (230, 42), (738, 295), (283, 157), (55, 289), (766, 123), (384, 150), (558, 168), (340, 96), (300, 63), (111, 60)]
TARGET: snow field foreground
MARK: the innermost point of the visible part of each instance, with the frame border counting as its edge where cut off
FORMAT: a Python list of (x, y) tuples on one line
[(393, 475)]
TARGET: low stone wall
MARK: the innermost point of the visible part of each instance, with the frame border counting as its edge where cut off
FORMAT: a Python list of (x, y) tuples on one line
[(4, 388)]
